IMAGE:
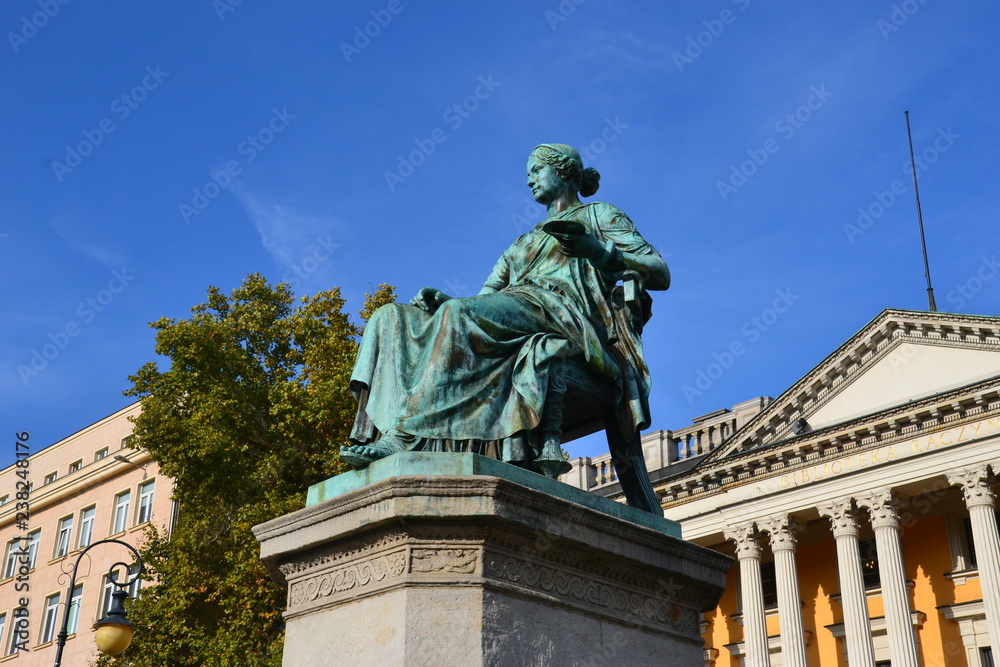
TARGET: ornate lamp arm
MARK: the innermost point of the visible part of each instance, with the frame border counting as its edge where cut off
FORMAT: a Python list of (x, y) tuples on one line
[(64, 629)]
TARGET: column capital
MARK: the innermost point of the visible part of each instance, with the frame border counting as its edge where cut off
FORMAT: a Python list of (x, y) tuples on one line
[(746, 538), (843, 516), (976, 483), (883, 506), (782, 529)]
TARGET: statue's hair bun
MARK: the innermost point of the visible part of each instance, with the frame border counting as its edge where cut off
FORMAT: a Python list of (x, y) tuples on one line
[(591, 182)]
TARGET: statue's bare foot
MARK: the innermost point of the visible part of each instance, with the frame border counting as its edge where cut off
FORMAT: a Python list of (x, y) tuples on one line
[(360, 456)]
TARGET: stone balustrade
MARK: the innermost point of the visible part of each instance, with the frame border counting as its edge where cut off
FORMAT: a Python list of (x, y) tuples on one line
[(665, 448)]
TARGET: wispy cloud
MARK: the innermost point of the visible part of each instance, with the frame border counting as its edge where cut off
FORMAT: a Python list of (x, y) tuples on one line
[(103, 254), (300, 243)]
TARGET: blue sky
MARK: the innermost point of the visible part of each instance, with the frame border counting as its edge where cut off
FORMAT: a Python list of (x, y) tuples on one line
[(153, 149)]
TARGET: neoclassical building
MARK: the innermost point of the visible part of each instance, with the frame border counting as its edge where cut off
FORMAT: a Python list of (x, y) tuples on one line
[(860, 503)]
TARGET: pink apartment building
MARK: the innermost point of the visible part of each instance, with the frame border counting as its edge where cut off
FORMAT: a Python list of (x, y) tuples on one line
[(84, 488)]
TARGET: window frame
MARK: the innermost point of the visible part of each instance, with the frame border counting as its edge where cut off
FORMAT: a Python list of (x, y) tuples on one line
[(121, 510), (50, 618), (75, 602), (33, 545), (89, 523), (145, 495), (10, 558), (870, 576), (60, 527)]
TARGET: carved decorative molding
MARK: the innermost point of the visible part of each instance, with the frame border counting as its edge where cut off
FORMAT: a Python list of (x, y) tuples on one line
[(455, 561), (879, 338), (346, 578), (977, 485), (584, 589), (328, 555), (747, 540), (883, 508), (782, 531), (864, 436), (843, 517)]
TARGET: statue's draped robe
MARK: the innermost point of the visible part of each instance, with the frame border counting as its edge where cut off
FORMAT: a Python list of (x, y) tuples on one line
[(477, 371)]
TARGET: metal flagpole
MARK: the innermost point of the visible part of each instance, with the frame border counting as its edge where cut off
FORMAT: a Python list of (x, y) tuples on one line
[(920, 219)]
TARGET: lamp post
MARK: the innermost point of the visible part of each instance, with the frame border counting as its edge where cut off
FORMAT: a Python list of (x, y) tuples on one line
[(114, 631)]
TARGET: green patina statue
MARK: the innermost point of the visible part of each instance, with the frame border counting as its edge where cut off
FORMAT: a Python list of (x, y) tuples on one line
[(488, 373)]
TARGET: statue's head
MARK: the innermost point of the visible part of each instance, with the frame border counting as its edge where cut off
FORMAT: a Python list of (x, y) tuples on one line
[(568, 165)]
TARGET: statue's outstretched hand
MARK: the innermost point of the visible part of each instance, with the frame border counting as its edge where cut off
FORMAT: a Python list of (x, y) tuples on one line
[(582, 244), (429, 299)]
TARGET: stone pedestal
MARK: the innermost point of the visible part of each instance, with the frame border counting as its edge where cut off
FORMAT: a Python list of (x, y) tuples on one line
[(454, 559)]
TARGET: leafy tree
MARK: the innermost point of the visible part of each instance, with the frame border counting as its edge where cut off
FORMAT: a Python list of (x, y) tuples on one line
[(251, 412)]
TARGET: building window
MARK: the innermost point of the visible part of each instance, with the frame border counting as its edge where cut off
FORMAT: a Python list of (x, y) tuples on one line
[(50, 619), (109, 588), (125, 441), (86, 527), (121, 511), (769, 583), (11, 639), (869, 564), (51, 477), (145, 501), (34, 537), (62, 539), (75, 465), (74, 609), (100, 454), (970, 544), (986, 656), (10, 561), (3, 626), (5, 499)]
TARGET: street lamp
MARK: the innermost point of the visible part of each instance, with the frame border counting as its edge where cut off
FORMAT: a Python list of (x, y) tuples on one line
[(114, 631)]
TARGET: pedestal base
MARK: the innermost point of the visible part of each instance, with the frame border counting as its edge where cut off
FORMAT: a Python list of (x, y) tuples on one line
[(470, 569)]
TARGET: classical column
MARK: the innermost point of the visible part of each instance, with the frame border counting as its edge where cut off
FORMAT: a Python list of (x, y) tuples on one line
[(979, 499), (793, 640), (754, 625), (892, 574), (857, 628)]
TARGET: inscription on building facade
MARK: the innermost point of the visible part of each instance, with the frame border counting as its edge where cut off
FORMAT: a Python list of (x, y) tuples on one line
[(899, 450)]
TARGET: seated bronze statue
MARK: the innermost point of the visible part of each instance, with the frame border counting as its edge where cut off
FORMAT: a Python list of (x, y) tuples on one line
[(488, 373)]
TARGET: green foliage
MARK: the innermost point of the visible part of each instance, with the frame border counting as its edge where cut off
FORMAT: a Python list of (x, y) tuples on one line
[(251, 412)]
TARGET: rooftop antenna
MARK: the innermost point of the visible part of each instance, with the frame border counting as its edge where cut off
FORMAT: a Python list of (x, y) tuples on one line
[(931, 306)]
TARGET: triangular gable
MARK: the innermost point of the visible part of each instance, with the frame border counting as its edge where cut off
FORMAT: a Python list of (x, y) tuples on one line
[(898, 357)]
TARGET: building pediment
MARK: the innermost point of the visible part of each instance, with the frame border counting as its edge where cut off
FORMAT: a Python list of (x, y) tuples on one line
[(899, 358)]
